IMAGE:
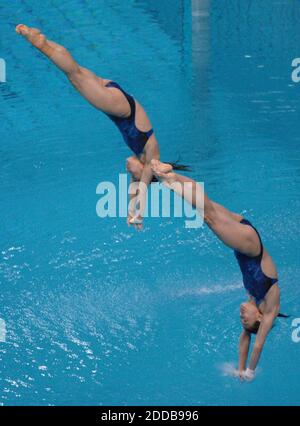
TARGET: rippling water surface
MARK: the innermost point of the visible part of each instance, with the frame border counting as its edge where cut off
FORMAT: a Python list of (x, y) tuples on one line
[(94, 312)]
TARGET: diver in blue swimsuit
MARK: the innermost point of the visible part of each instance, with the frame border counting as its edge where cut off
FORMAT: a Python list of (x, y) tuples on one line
[(135, 138), (128, 115), (256, 282), (258, 269)]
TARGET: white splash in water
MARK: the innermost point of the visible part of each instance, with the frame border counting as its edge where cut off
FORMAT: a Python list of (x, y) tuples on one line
[(216, 289), (228, 369)]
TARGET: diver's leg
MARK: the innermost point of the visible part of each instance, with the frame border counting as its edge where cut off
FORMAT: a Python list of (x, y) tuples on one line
[(90, 86), (135, 167), (225, 224)]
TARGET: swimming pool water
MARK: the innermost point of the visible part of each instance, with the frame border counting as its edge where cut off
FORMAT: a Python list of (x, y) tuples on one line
[(96, 313)]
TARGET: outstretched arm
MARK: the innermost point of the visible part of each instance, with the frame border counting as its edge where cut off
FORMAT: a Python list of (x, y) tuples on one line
[(152, 152), (141, 196), (269, 315), (244, 345), (264, 329)]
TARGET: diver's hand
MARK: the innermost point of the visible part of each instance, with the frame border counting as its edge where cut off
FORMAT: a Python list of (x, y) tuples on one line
[(129, 218), (137, 222), (238, 374), (243, 375), (248, 375)]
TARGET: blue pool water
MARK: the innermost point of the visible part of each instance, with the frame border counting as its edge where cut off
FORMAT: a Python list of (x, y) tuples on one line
[(96, 313)]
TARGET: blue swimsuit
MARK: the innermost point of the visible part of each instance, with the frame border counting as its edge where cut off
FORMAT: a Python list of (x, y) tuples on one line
[(255, 281), (134, 138)]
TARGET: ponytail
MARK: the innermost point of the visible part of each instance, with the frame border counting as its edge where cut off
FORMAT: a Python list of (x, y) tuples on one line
[(283, 315), (181, 167)]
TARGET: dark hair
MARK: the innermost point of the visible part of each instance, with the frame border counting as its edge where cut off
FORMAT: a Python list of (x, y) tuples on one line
[(283, 315), (254, 328), (178, 166)]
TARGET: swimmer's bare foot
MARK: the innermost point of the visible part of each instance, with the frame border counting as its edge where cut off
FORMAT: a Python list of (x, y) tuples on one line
[(162, 171), (34, 36)]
